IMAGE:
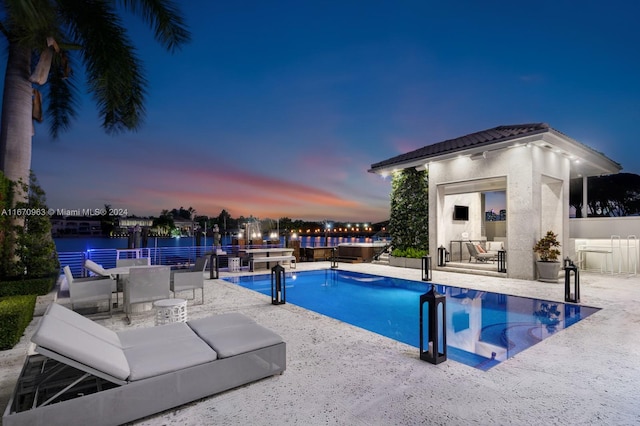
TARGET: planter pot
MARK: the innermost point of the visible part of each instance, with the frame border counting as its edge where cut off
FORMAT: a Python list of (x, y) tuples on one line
[(548, 271), (397, 261), (413, 263), (405, 262)]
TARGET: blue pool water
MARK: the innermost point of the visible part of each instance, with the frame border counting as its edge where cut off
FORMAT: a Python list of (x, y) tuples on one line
[(483, 328)]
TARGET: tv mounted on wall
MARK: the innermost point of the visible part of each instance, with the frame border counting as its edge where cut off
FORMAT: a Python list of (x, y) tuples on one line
[(460, 213)]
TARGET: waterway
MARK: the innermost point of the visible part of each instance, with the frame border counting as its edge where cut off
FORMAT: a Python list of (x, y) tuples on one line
[(71, 244)]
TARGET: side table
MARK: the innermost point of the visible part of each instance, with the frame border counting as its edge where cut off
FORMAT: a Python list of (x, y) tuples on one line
[(170, 310)]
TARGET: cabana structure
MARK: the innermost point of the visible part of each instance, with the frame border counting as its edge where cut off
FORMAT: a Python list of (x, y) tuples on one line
[(531, 163)]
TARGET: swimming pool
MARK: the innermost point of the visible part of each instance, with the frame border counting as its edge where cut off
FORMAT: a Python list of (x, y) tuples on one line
[(483, 328)]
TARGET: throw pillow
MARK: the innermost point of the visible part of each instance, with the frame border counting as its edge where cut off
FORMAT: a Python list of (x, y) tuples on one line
[(480, 249)]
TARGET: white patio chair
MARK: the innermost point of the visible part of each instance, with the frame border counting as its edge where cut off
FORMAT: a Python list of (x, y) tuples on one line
[(92, 290), (190, 279), (146, 285)]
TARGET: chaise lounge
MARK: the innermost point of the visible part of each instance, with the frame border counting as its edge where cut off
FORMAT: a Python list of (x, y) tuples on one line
[(474, 253), (84, 373)]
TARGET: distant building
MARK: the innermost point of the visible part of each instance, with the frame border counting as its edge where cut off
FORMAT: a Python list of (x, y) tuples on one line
[(75, 225)]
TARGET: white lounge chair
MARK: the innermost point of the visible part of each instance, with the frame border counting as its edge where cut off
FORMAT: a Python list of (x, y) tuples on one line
[(482, 257), (83, 373)]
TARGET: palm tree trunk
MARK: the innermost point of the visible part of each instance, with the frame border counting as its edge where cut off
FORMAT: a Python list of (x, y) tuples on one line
[(17, 125)]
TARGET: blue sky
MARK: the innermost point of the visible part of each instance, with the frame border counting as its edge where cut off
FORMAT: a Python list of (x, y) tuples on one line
[(279, 108)]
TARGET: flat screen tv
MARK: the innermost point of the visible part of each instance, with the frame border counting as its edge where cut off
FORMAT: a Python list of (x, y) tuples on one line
[(460, 213)]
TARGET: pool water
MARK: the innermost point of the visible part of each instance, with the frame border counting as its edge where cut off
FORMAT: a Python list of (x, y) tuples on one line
[(483, 328)]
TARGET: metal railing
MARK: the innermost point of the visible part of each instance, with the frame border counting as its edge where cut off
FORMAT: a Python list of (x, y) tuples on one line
[(172, 256)]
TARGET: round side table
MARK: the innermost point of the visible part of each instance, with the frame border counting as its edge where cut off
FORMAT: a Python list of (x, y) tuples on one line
[(170, 310)]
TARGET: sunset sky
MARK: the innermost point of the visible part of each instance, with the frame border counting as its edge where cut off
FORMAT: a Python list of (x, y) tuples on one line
[(279, 108)]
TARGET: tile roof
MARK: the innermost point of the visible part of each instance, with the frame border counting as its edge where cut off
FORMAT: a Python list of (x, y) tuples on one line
[(484, 137)]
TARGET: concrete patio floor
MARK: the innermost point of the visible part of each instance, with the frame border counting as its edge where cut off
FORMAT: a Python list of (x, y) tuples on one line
[(340, 374)]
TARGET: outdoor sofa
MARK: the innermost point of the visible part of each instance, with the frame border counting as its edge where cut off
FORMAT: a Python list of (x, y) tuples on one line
[(83, 373)]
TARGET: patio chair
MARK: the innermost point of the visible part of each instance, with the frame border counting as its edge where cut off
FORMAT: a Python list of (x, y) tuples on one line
[(81, 372), (99, 271), (190, 279), (146, 285), (474, 253), (91, 290)]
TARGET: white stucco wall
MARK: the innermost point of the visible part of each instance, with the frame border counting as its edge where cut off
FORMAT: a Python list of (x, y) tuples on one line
[(536, 181)]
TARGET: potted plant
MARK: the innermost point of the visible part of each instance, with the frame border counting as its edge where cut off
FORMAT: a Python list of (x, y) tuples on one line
[(547, 250)]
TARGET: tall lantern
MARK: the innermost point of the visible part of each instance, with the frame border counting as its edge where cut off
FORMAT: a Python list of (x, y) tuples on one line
[(437, 330), (571, 296), (278, 285), (426, 268)]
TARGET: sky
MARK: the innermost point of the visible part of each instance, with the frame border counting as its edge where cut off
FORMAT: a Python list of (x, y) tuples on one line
[(278, 109)]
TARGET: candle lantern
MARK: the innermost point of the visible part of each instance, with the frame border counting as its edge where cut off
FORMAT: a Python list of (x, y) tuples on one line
[(436, 338), (426, 268), (214, 266), (571, 270), (502, 261), (278, 285), (442, 256)]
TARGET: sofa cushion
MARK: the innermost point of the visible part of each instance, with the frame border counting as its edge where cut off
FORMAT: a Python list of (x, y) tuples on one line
[(495, 246)]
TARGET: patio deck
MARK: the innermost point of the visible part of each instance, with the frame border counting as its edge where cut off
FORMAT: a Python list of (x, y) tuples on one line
[(340, 374)]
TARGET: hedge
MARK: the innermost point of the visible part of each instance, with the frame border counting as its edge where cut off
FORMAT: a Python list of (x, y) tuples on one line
[(15, 315), (37, 286)]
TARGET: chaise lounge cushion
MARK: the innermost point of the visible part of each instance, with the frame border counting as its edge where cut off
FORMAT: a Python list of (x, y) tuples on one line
[(167, 348), (80, 322), (233, 334), (76, 343)]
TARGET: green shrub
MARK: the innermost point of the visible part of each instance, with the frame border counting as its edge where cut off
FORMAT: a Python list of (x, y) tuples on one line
[(26, 286), (15, 315), (409, 252)]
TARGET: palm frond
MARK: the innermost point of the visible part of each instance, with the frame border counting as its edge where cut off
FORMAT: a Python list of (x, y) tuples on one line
[(61, 97), (165, 19), (30, 22), (114, 73)]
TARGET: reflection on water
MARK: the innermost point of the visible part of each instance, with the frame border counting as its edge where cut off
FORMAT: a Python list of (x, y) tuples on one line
[(483, 328)]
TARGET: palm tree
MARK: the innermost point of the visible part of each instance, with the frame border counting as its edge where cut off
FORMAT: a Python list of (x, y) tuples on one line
[(46, 39)]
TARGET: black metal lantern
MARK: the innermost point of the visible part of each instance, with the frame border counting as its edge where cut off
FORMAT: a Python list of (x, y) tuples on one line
[(571, 296), (278, 285), (436, 331), (214, 266), (334, 259), (502, 261), (442, 256), (426, 268)]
